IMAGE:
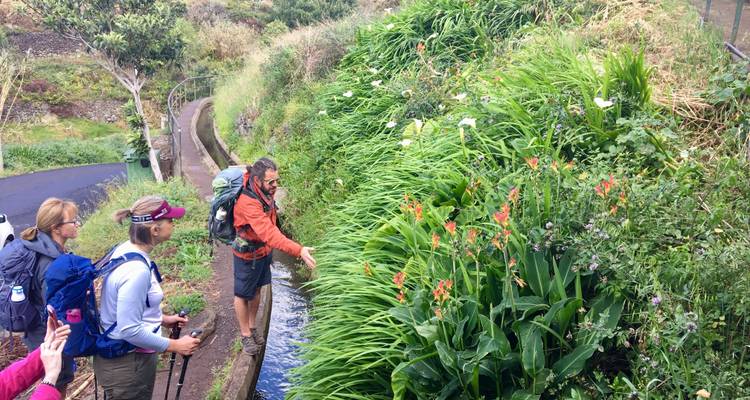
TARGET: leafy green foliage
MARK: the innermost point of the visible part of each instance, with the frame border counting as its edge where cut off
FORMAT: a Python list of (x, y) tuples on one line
[(193, 302), (137, 34)]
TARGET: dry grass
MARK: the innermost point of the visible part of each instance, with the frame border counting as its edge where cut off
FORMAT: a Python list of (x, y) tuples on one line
[(682, 53)]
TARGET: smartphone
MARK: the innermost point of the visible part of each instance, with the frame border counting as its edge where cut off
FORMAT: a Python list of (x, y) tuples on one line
[(53, 315)]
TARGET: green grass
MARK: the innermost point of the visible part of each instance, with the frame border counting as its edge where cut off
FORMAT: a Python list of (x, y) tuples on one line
[(184, 259), (220, 375), (62, 79), (58, 129)]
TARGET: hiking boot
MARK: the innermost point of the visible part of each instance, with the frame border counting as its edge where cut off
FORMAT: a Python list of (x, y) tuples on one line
[(249, 346), (259, 339)]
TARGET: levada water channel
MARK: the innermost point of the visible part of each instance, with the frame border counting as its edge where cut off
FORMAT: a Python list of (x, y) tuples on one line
[(290, 305)]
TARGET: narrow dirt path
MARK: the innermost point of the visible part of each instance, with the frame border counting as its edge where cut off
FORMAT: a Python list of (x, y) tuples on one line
[(215, 351)]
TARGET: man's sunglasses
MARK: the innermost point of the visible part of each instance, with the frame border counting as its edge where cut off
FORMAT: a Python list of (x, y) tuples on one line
[(273, 182)]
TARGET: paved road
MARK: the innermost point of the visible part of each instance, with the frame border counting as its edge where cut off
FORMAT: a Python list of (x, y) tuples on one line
[(20, 196)]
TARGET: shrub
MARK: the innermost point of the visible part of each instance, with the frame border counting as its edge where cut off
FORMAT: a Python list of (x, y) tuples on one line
[(225, 40), (296, 13), (193, 303), (272, 30), (207, 12)]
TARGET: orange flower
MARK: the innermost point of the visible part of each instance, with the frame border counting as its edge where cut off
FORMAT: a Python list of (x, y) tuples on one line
[(420, 48), (368, 271), (514, 195), (435, 241), (418, 211), (554, 165), (623, 199), (401, 296), (533, 163), (603, 188), (450, 226), (506, 235), (469, 253), (449, 284), (443, 291), (568, 166), (501, 217), (399, 279), (520, 282), (472, 237), (496, 242), (439, 313), (613, 210), (512, 262)]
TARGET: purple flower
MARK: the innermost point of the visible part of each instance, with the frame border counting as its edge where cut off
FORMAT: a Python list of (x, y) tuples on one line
[(656, 300), (691, 327), (593, 266)]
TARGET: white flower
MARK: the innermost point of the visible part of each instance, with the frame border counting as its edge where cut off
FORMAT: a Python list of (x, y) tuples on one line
[(348, 94), (322, 112), (433, 36), (389, 27), (339, 182), (391, 124), (602, 103), (376, 83), (418, 124), (388, 10), (460, 96), (684, 154), (441, 107), (373, 70), (406, 93), (405, 142), (472, 122)]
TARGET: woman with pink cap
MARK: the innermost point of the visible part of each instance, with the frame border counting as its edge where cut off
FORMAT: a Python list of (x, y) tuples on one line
[(130, 300)]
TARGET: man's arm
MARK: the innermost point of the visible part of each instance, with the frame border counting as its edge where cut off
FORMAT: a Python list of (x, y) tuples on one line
[(252, 211)]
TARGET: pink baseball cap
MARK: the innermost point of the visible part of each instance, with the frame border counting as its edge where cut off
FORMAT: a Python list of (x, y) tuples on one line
[(165, 211)]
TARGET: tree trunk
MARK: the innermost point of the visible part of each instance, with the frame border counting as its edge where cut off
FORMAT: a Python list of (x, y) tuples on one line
[(146, 134)]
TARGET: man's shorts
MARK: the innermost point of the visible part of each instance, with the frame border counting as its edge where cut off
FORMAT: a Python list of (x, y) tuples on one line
[(250, 275)]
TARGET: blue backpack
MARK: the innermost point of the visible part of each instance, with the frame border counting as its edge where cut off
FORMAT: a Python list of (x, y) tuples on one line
[(70, 286)]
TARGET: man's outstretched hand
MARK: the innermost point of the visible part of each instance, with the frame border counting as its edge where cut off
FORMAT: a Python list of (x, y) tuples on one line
[(307, 257)]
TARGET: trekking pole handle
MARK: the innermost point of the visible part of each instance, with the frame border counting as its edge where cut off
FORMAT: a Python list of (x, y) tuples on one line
[(176, 330), (195, 333)]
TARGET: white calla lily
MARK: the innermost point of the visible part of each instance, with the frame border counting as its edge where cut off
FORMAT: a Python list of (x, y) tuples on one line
[(601, 103), (472, 122)]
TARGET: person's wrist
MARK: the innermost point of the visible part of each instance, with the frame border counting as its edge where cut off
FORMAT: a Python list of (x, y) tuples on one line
[(50, 379)]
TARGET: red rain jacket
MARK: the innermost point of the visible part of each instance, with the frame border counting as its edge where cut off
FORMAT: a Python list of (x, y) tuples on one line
[(255, 224)]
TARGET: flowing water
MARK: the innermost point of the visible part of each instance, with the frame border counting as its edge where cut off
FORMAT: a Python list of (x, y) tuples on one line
[(288, 318)]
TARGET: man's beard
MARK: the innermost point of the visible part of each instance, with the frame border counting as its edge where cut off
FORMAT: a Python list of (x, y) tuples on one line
[(268, 191)]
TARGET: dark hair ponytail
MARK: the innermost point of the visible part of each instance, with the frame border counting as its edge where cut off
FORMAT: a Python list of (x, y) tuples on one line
[(259, 168)]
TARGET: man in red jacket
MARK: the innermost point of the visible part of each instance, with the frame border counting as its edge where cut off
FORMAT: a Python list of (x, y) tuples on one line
[(256, 223)]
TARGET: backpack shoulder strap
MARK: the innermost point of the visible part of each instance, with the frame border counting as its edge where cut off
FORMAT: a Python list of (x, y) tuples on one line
[(251, 193), (113, 263)]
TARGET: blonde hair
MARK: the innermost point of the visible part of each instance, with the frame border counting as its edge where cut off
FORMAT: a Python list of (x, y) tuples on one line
[(140, 233), (50, 215)]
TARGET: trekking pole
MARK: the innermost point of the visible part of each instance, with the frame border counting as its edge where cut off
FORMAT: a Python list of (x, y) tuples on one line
[(185, 360), (175, 335)]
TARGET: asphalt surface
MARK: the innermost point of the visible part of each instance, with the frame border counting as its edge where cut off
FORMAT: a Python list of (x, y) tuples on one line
[(20, 196)]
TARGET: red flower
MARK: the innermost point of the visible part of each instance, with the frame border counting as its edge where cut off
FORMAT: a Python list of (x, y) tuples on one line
[(450, 226), (399, 279), (435, 241), (420, 48), (449, 284), (603, 188), (533, 163), (443, 291), (439, 313), (512, 262)]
